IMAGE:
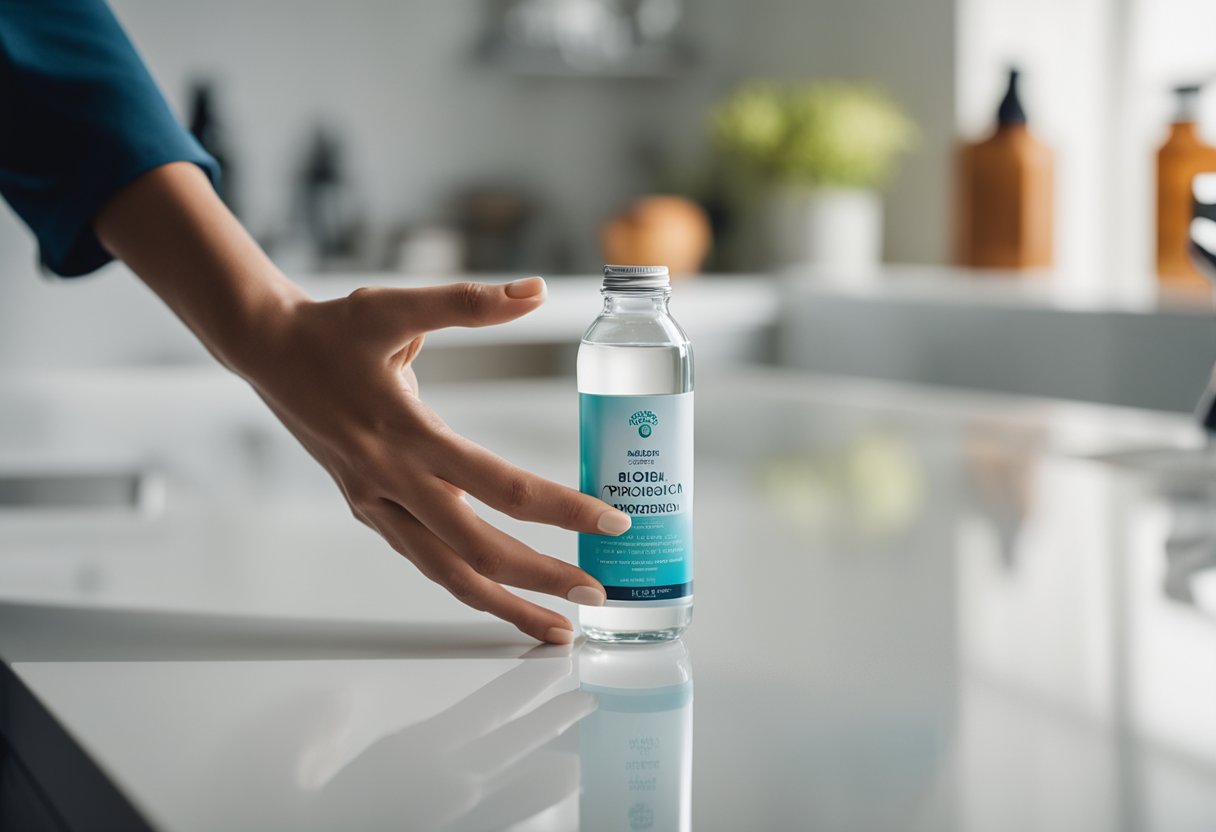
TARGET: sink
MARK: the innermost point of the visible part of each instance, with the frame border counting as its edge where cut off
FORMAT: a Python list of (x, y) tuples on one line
[(90, 491)]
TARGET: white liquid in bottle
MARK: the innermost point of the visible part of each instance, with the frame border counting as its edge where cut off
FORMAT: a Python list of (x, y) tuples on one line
[(635, 386)]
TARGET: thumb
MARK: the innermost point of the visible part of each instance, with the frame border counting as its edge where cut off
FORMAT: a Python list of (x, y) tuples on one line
[(407, 313)]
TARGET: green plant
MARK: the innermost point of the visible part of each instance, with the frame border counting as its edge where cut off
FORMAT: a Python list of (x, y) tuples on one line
[(831, 133)]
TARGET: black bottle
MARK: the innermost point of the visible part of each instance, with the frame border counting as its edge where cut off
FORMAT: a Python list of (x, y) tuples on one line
[(210, 134)]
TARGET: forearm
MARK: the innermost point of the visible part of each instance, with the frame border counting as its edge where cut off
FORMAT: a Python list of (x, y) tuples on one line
[(172, 230)]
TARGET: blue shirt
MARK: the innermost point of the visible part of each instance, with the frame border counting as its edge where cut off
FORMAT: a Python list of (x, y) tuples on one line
[(80, 118)]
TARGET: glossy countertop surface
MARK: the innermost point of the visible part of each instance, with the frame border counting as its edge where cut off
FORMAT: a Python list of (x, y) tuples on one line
[(915, 610)]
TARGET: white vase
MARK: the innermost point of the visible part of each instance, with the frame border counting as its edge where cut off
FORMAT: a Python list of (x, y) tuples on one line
[(835, 230)]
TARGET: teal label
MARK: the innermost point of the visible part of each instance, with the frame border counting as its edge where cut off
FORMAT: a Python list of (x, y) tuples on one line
[(636, 454)]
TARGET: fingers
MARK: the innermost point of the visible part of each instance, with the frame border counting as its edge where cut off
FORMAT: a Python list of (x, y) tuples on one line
[(437, 561), (505, 746), (496, 555), (540, 781), (517, 691), (526, 496), (400, 315)]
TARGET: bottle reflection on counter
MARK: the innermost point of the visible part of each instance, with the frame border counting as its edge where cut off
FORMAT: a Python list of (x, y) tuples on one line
[(635, 750)]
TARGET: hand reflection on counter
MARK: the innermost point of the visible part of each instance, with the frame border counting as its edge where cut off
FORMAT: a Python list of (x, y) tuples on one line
[(486, 762), (504, 755)]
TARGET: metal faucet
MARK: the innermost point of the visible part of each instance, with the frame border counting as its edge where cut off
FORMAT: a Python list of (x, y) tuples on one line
[(1202, 248)]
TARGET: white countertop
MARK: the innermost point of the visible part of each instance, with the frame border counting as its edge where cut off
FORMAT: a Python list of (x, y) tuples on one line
[(915, 610)]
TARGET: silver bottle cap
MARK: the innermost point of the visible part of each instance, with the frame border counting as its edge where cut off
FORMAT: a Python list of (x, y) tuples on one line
[(636, 277)]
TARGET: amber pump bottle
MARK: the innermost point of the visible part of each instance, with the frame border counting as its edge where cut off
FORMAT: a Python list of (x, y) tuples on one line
[(1178, 161), (1004, 199)]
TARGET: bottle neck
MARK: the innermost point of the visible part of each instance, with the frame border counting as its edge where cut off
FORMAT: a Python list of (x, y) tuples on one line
[(646, 302), (1184, 130), (1186, 105), (1013, 128)]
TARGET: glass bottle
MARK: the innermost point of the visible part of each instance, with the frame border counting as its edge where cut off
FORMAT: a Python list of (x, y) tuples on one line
[(635, 382)]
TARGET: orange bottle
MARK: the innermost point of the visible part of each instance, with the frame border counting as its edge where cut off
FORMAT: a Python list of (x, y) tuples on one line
[(1004, 201), (1178, 160)]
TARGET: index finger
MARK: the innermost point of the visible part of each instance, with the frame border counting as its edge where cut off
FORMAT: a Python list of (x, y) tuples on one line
[(400, 315), (527, 496)]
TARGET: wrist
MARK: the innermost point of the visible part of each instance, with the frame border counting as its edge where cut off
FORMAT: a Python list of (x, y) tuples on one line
[(173, 231), (252, 337)]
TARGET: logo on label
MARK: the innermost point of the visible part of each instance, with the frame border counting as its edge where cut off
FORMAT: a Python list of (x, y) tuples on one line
[(645, 421)]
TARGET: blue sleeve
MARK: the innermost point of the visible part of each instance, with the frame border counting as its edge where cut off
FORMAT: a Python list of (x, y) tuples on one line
[(80, 117)]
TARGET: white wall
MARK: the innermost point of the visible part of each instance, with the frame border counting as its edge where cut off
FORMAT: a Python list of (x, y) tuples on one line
[(1097, 89), (1168, 42), (907, 48), (1063, 49), (422, 119)]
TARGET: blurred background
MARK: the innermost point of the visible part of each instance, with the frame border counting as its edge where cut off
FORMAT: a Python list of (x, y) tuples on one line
[(988, 619), (828, 174)]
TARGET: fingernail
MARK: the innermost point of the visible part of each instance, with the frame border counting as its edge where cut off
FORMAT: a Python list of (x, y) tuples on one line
[(614, 522), (529, 287), (588, 596), (559, 635)]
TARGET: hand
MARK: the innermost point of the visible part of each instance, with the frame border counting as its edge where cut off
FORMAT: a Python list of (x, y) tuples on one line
[(338, 375)]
